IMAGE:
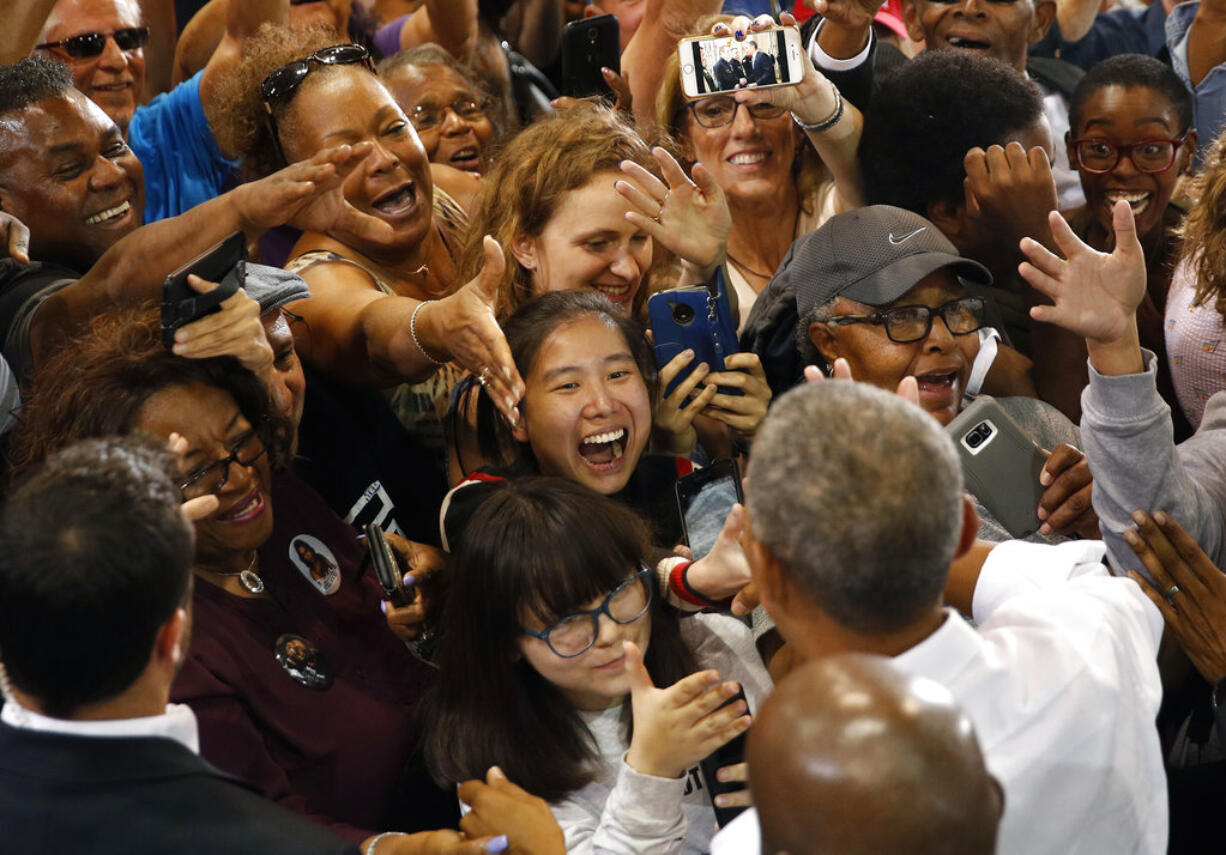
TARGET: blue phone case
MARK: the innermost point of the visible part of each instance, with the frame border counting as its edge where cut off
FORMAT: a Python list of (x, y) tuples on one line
[(697, 319)]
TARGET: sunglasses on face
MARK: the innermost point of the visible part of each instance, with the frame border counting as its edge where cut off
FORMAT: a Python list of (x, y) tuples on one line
[(279, 86), (89, 45)]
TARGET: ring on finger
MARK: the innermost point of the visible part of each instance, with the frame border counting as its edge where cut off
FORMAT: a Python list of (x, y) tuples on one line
[(1170, 593), (481, 378)]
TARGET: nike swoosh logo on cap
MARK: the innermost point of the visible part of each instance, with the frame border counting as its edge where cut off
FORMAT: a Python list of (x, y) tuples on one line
[(906, 237)]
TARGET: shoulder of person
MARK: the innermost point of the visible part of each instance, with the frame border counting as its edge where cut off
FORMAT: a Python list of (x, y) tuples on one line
[(1055, 73)]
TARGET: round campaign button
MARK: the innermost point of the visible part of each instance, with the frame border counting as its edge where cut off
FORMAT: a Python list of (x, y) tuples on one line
[(302, 661), (316, 563)]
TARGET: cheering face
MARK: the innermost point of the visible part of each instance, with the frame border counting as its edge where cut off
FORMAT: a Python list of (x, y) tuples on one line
[(941, 362), (447, 113), (112, 79), (347, 104), (750, 158), (66, 172), (1000, 28), (1115, 116), (588, 243), (586, 413)]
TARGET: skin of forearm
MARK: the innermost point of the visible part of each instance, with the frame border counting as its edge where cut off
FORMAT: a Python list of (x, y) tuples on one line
[(1076, 17), (840, 42), (22, 25), (643, 59), (1206, 41), (159, 17), (385, 329), (964, 576)]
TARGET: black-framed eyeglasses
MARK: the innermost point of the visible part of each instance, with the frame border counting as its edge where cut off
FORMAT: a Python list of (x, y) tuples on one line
[(88, 45), (427, 117), (574, 634), (212, 477), (906, 324), (282, 83), (720, 110), (1099, 155)]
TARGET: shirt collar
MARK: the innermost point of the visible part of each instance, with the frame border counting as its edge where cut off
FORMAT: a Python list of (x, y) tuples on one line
[(943, 655), (177, 723)]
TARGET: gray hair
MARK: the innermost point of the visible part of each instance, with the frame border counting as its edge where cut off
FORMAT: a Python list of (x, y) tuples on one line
[(858, 494), (809, 353)]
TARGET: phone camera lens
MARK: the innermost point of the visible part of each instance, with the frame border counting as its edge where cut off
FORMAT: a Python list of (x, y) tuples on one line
[(592, 36), (979, 435), (683, 314)]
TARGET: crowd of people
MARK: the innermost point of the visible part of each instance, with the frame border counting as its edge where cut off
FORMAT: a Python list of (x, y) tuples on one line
[(963, 268)]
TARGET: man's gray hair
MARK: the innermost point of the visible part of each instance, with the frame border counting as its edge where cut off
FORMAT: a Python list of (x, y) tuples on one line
[(809, 353), (858, 494)]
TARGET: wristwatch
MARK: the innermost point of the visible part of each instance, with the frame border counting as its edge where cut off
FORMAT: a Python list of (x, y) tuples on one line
[(1219, 707)]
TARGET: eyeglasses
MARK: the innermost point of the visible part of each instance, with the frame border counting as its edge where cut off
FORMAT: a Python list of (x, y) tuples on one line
[(720, 110), (906, 324), (1098, 155), (282, 83), (211, 478), (573, 635), (88, 45), (427, 117)]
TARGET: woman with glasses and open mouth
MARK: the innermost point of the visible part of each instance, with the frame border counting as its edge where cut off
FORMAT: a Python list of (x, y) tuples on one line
[(589, 692)]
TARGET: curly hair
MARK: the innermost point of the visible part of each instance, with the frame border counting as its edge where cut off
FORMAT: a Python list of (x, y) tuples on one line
[(669, 115), (31, 80), (531, 177), (1203, 232), (269, 49), (97, 384), (927, 114)]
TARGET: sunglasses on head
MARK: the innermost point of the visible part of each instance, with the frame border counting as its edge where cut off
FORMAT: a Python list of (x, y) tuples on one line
[(88, 45), (282, 83)]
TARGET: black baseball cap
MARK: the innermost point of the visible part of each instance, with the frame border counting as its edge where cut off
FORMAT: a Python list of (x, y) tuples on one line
[(871, 255)]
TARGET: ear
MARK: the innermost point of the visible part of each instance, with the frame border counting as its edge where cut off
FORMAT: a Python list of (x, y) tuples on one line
[(1183, 163), (950, 218), (170, 643), (1044, 14), (519, 430), (910, 17), (524, 250), (1070, 150), (826, 342)]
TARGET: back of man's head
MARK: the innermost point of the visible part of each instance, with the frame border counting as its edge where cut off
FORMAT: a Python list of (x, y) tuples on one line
[(928, 113), (94, 558), (31, 80), (851, 756), (858, 495)]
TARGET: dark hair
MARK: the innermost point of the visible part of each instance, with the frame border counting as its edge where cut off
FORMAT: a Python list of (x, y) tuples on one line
[(31, 80), (97, 385), (520, 554), (1130, 70), (927, 114), (526, 331), (94, 558)]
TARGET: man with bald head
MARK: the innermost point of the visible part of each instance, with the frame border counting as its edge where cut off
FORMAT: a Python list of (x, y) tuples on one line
[(852, 756), (855, 514)]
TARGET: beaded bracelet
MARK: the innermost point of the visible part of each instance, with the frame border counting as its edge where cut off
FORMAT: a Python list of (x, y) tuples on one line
[(413, 333), (825, 124)]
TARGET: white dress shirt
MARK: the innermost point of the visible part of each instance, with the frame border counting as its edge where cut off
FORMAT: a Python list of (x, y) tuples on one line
[(1061, 683), (177, 723)]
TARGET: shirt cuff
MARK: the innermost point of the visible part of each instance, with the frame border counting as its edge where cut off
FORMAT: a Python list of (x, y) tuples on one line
[(1123, 399), (1017, 567), (824, 61)]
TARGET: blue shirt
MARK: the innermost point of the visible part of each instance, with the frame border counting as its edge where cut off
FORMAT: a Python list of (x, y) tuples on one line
[(172, 138), (1209, 102), (1115, 32)]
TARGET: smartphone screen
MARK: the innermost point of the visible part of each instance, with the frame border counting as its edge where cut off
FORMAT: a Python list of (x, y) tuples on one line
[(705, 507), (710, 65)]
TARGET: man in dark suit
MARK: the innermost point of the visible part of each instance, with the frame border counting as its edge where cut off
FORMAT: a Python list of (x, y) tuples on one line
[(95, 583), (759, 65), (727, 70)]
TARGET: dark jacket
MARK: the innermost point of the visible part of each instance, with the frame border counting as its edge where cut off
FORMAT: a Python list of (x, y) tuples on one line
[(138, 795)]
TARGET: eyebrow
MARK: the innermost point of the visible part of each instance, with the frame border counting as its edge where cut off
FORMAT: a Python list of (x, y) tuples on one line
[(565, 369), (1144, 120), (196, 452), (65, 148)]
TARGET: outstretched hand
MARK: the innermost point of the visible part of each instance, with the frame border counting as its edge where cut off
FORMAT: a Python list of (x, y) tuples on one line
[(690, 218), (1011, 190), (1095, 295), (724, 571)]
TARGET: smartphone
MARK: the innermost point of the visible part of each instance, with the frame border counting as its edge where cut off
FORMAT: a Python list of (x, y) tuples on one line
[(390, 567), (587, 46), (1001, 465), (695, 319), (705, 498), (728, 754), (714, 64), (181, 304)]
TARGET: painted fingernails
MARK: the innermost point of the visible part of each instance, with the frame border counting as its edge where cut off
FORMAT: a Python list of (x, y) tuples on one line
[(498, 844)]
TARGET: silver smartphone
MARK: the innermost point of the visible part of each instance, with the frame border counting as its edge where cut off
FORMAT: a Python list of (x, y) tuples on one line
[(714, 64), (1000, 464)]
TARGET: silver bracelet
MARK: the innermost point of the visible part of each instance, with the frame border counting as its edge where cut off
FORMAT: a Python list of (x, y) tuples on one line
[(824, 124), (413, 333), (370, 847)]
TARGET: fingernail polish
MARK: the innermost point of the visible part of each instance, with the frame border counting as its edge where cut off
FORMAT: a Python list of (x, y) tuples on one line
[(383, 606), (1045, 529), (498, 844), (408, 581), (740, 34)]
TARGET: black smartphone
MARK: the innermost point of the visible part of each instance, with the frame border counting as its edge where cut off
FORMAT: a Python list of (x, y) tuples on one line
[(390, 567), (728, 754), (705, 498), (695, 319), (587, 46), (181, 304)]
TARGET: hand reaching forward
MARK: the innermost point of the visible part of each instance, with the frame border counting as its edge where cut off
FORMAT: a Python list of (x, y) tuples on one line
[(1095, 295), (500, 807), (1187, 588), (676, 727), (724, 571), (688, 218)]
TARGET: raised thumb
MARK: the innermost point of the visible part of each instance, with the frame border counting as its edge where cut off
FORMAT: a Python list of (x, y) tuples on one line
[(494, 266), (1125, 228), (640, 680)]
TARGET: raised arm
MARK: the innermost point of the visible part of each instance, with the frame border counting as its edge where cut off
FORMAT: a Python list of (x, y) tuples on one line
[(22, 23), (1206, 40), (664, 23), (449, 23), (159, 17), (1075, 17)]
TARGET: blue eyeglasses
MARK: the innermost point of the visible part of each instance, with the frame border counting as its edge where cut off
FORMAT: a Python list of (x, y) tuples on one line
[(626, 603)]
